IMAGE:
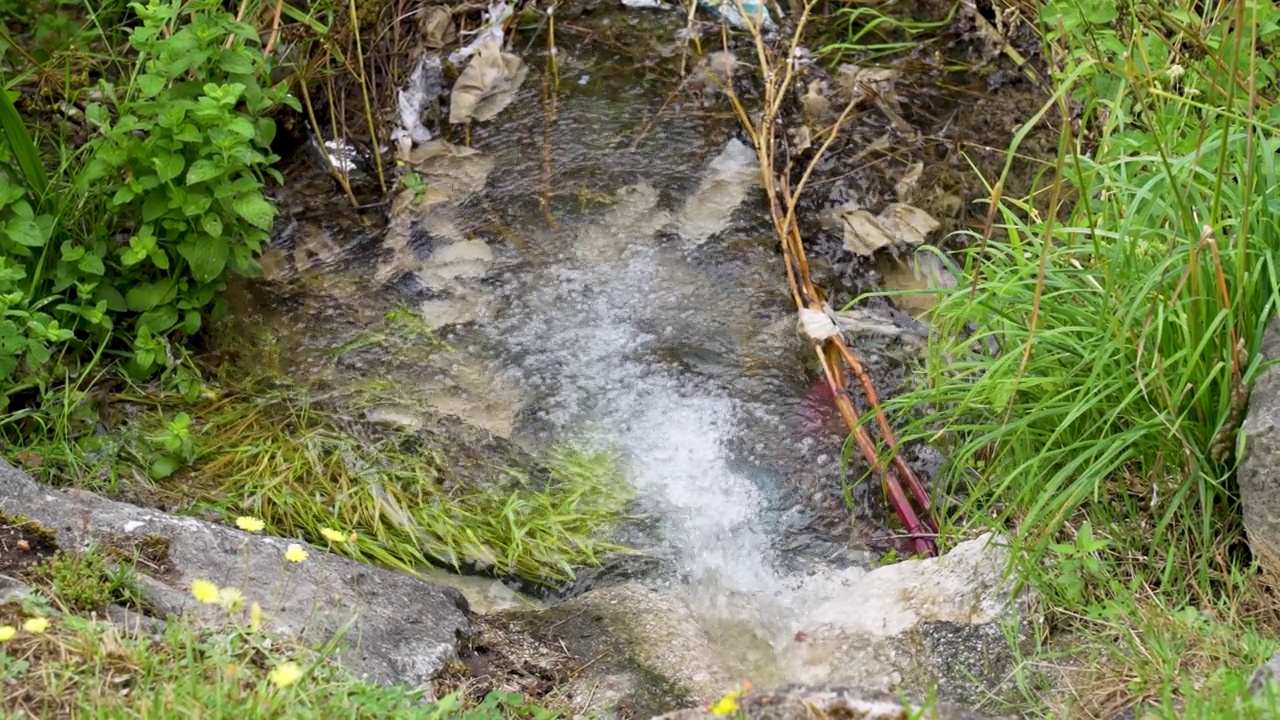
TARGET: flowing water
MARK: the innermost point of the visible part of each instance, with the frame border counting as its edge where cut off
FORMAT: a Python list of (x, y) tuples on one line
[(628, 295)]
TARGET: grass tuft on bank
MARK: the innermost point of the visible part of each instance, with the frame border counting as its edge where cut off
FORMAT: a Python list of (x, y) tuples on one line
[(73, 666), (1089, 377)]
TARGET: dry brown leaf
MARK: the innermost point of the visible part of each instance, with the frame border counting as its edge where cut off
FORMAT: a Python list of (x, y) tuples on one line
[(923, 272), (816, 106), (898, 223), (437, 27), (487, 85), (906, 184), (452, 169)]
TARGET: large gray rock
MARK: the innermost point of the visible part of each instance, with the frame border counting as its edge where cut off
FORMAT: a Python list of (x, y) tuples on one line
[(396, 628), (1259, 473), (937, 625)]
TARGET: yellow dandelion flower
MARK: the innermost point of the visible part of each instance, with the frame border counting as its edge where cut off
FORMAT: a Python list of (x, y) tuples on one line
[(204, 591), (36, 625), (728, 705), (255, 616), (230, 598), (285, 674), (333, 535), (7, 632), (250, 524), (295, 553)]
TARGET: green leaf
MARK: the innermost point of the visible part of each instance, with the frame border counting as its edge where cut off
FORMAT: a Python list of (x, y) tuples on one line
[(197, 203), (160, 320), (155, 206), (22, 146), (202, 170), (149, 85), (24, 231), (235, 62), (191, 322), (212, 224), (188, 133), (242, 127), (266, 132), (168, 166), (164, 466), (112, 297), (1102, 12), (123, 196), (255, 209), (71, 252), (145, 296), (206, 256), (92, 265)]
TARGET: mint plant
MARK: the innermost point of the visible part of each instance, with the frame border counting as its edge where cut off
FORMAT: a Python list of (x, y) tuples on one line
[(180, 160)]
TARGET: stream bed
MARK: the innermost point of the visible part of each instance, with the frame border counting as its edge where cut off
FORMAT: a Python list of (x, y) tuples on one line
[(600, 262)]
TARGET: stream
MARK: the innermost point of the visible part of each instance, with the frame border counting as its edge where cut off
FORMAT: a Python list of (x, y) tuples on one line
[(604, 265)]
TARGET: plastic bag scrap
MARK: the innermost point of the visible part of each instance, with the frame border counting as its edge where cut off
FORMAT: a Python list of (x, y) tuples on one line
[(827, 323), (494, 18), (645, 4), (459, 172), (425, 82), (343, 156), (728, 9), (487, 85)]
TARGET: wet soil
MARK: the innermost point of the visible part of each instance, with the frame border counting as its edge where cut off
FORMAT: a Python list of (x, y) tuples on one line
[(23, 545)]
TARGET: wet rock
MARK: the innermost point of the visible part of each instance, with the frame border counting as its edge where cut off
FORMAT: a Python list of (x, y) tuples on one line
[(919, 626), (844, 702), (1266, 674), (646, 650), (1260, 470), (397, 628), (936, 624), (730, 176)]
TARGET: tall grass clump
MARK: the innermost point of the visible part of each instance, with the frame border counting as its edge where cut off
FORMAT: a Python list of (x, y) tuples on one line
[(1094, 370)]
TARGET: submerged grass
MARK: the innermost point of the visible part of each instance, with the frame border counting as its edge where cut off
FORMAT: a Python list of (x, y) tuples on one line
[(304, 467)]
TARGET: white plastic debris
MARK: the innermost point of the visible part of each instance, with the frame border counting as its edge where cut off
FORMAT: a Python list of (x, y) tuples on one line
[(728, 9), (818, 324), (343, 156), (731, 175), (645, 4), (494, 18), (412, 99)]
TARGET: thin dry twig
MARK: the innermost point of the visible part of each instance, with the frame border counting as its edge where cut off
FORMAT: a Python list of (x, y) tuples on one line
[(834, 355)]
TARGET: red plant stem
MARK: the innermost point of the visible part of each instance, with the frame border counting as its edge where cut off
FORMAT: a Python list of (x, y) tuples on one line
[(897, 498)]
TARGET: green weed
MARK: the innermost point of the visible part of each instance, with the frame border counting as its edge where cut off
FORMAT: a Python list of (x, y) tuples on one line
[(869, 33), (96, 671), (125, 246), (86, 581)]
